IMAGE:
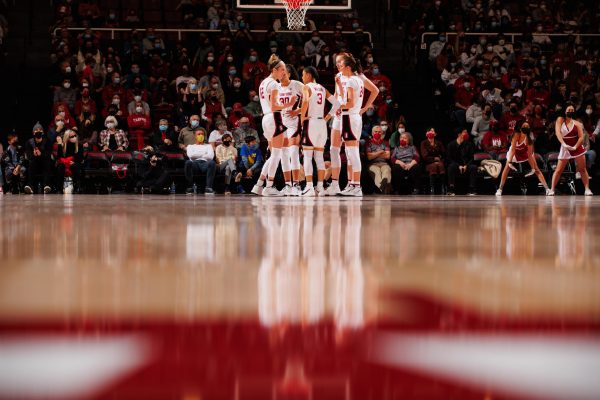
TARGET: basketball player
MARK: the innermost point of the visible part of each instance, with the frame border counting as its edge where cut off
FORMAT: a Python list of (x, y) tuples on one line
[(336, 135), (520, 151), (290, 91), (314, 127), (570, 135), (273, 128)]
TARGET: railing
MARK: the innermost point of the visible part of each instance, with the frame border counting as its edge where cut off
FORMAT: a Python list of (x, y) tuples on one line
[(182, 30), (510, 35)]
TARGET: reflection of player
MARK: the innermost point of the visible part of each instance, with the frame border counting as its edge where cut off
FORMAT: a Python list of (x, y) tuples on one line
[(272, 124), (314, 125), (571, 233), (290, 91)]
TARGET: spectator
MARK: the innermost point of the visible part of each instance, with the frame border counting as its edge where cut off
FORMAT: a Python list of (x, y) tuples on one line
[(370, 120), (165, 138), (85, 102), (156, 179), (212, 107), (38, 152), (138, 96), (242, 132), (69, 160), (475, 110), (503, 49), (187, 136), (215, 88), (149, 43), (254, 71), (380, 80), (482, 124), (226, 158), (114, 88), (463, 100), (111, 138), (325, 64), (136, 79), (139, 127), (378, 155), (237, 113), (15, 171), (395, 138), (405, 163), (511, 118), (432, 152), (216, 136), (66, 94), (494, 142), (62, 110), (436, 47), (461, 162), (252, 159), (235, 94), (253, 107), (201, 160), (313, 46), (117, 109), (538, 94)]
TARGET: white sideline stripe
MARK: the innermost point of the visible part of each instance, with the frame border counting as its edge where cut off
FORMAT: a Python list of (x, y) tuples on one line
[(552, 367), (63, 368)]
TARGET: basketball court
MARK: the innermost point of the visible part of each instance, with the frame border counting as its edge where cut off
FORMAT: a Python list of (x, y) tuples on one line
[(254, 298)]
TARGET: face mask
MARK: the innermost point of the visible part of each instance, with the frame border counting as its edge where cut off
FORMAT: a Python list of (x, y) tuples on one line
[(109, 70), (116, 102), (525, 130), (200, 138), (66, 85), (375, 71), (60, 124), (483, 42), (232, 72), (229, 59), (116, 81), (62, 114), (540, 28), (442, 39), (163, 128), (473, 50), (513, 110), (252, 58), (467, 85), (215, 86), (226, 143), (157, 46), (495, 65), (193, 86), (589, 111), (452, 27), (494, 24), (479, 63), (84, 85), (370, 60), (388, 101), (273, 49), (210, 59), (377, 137), (401, 130), (490, 48), (501, 42), (244, 126), (384, 128), (430, 135), (461, 73), (194, 123), (139, 110), (255, 98), (38, 135), (242, 25), (403, 142), (68, 70), (370, 113), (339, 27), (137, 98), (355, 26), (135, 70), (571, 114), (316, 39), (110, 125), (237, 84)]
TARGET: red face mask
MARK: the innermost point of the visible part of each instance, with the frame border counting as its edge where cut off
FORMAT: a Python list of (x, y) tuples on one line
[(403, 142), (430, 135), (377, 137)]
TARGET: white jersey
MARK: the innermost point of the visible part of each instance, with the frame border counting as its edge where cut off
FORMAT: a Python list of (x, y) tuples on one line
[(264, 92), (316, 101), (358, 86), (292, 93)]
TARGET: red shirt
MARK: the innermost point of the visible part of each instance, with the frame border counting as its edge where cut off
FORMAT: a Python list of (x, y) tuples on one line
[(495, 142), (508, 122), (541, 97), (464, 97)]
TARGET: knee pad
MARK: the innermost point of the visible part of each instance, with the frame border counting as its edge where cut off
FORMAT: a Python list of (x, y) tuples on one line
[(285, 159), (294, 152), (319, 160), (353, 155), (336, 161), (308, 167)]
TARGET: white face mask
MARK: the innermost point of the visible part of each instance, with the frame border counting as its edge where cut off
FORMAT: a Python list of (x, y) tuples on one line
[(62, 114), (116, 102), (401, 130), (215, 85), (229, 59), (237, 84), (66, 85), (589, 111), (210, 59), (384, 128), (110, 125), (68, 70), (370, 60), (137, 98), (139, 110), (255, 98)]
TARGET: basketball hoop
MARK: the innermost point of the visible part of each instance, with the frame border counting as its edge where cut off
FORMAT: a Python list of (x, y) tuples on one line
[(296, 10)]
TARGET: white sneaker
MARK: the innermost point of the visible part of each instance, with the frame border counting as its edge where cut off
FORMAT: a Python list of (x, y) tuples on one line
[(332, 190), (287, 191), (549, 192), (355, 191), (319, 190), (296, 190), (347, 190), (272, 192), (257, 190), (499, 192), (588, 192), (578, 175), (309, 192), (47, 189)]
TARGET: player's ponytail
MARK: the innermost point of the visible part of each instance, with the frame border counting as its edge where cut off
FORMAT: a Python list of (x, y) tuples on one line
[(273, 62)]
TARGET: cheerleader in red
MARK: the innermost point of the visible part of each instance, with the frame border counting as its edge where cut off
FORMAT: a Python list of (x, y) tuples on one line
[(570, 134), (521, 150)]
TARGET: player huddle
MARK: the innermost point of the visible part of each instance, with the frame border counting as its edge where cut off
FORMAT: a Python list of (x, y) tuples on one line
[(294, 116)]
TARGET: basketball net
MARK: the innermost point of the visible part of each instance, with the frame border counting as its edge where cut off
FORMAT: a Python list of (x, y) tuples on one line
[(296, 11)]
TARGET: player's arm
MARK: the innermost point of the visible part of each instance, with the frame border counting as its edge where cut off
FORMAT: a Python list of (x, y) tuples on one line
[(557, 131), (350, 100), (276, 106), (579, 134), (335, 105), (304, 108), (373, 90), (511, 153)]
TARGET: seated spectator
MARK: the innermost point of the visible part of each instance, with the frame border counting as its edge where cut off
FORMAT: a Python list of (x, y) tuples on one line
[(461, 162), (66, 94), (378, 156), (538, 94), (187, 135), (137, 96), (212, 107), (156, 179), (226, 158), (69, 160), (475, 110), (201, 161), (252, 159), (237, 113), (114, 88), (151, 42), (511, 118), (62, 110), (117, 109), (433, 152), (236, 93), (243, 130), (405, 163), (38, 152), (15, 171), (216, 136), (254, 71), (85, 102), (139, 127), (1, 171), (58, 129), (313, 46), (253, 107), (494, 142), (165, 138), (380, 80), (370, 120), (482, 124), (395, 137), (111, 138), (463, 99)]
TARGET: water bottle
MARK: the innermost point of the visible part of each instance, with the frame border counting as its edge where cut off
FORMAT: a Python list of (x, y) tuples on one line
[(195, 187), (173, 188)]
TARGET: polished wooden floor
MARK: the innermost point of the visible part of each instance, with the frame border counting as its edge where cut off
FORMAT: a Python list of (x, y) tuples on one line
[(312, 288)]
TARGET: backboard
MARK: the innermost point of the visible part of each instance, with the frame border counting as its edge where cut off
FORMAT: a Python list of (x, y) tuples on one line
[(276, 5)]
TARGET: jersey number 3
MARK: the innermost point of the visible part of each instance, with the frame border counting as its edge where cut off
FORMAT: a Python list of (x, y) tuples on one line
[(319, 98)]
